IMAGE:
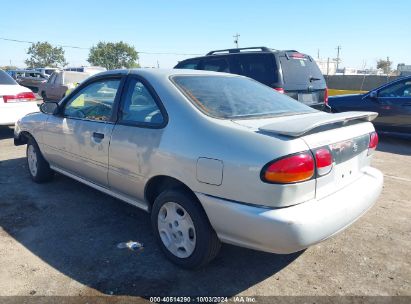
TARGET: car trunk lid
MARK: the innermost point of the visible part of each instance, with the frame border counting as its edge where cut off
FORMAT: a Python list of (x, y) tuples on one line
[(345, 135), (298, 125)]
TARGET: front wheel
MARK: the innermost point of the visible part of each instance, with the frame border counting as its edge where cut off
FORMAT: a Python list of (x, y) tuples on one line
[(182, 229), (39, 168)]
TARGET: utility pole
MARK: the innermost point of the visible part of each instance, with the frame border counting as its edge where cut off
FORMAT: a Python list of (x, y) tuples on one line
[(236, 39), (318, 53), (338, 56), (328, 66), (158, 65)]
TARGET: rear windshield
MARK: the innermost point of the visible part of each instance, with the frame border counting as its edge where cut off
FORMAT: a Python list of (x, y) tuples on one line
[(236, 97), (6, 79), (300, 70)]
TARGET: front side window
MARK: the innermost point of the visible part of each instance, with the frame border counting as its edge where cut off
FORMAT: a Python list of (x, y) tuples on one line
[(51, 79), (400, 89), (236, 97), (140, 107), (59, 79), (94, 102)]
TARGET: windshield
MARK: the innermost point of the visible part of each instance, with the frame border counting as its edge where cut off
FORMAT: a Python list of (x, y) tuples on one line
[(6, 79), (236, 97)]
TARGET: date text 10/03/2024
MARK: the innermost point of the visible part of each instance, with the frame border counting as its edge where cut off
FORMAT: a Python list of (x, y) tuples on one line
[(203, 299)]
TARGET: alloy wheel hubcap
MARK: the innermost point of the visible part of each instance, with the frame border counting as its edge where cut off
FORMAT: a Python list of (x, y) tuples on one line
[(32, 160), (176, 229)]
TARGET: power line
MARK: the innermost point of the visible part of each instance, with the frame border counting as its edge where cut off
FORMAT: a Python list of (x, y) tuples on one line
[(84, 48), (31, 42)]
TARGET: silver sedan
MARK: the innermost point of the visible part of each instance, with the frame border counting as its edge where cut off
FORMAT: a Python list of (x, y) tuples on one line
[(212, 157)]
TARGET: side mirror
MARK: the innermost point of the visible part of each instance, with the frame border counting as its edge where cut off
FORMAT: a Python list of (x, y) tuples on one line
[(51, 108), (373, 95)]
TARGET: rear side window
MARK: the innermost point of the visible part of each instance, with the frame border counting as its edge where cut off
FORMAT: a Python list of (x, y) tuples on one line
[(236, 97), (140, 106), (189, 64), (216, 65), (299, 70), (6, 79), (261, 67)]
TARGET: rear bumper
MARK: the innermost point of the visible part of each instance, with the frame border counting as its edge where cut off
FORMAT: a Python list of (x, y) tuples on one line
[(297, 227)]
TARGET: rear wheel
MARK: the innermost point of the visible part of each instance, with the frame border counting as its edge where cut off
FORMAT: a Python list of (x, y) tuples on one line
[(39, 168), (182, 229)]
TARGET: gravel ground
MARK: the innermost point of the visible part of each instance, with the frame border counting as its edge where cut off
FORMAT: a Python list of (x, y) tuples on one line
[(61, 239)]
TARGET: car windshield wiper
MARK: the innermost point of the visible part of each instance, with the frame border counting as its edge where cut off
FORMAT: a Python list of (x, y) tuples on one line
[(314, 79)]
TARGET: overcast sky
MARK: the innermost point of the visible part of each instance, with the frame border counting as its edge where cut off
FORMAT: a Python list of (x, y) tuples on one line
[(366, 30)]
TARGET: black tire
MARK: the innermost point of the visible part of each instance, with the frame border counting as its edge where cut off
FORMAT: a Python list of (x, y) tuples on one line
[(207, 244), (42, 173)]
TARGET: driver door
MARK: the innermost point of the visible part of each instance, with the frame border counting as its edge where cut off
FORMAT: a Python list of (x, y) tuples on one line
[(77, 141)]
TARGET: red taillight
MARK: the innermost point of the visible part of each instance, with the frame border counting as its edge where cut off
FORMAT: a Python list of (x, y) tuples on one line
[(279, 90), (290, 169), (326, 96), (297, 55), (373, 143), (324, 161), (26, 96)]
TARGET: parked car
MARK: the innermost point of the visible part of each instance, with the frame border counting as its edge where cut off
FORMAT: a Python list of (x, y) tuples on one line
[(15, 74), (391, 101), (58, 84), (32, 79), (290, 72), (15, 100), (87, 69), (47, 71), (213, 157), (28, 78)]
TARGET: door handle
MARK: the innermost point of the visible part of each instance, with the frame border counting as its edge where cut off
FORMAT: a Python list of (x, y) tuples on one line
[(98, 135)]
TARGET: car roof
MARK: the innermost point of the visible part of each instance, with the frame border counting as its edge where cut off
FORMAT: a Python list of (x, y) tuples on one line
[(248, 51)]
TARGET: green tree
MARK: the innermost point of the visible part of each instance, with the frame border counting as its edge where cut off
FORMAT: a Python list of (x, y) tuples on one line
[(43, 54), (385, 65), (113, 55), (8, 67)]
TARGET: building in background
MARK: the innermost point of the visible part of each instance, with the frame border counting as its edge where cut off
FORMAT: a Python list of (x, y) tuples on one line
[(404, 69), (354, 71), (327, 66)]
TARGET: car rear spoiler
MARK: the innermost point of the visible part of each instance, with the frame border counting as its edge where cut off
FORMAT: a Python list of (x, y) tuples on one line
[(298, 125)]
